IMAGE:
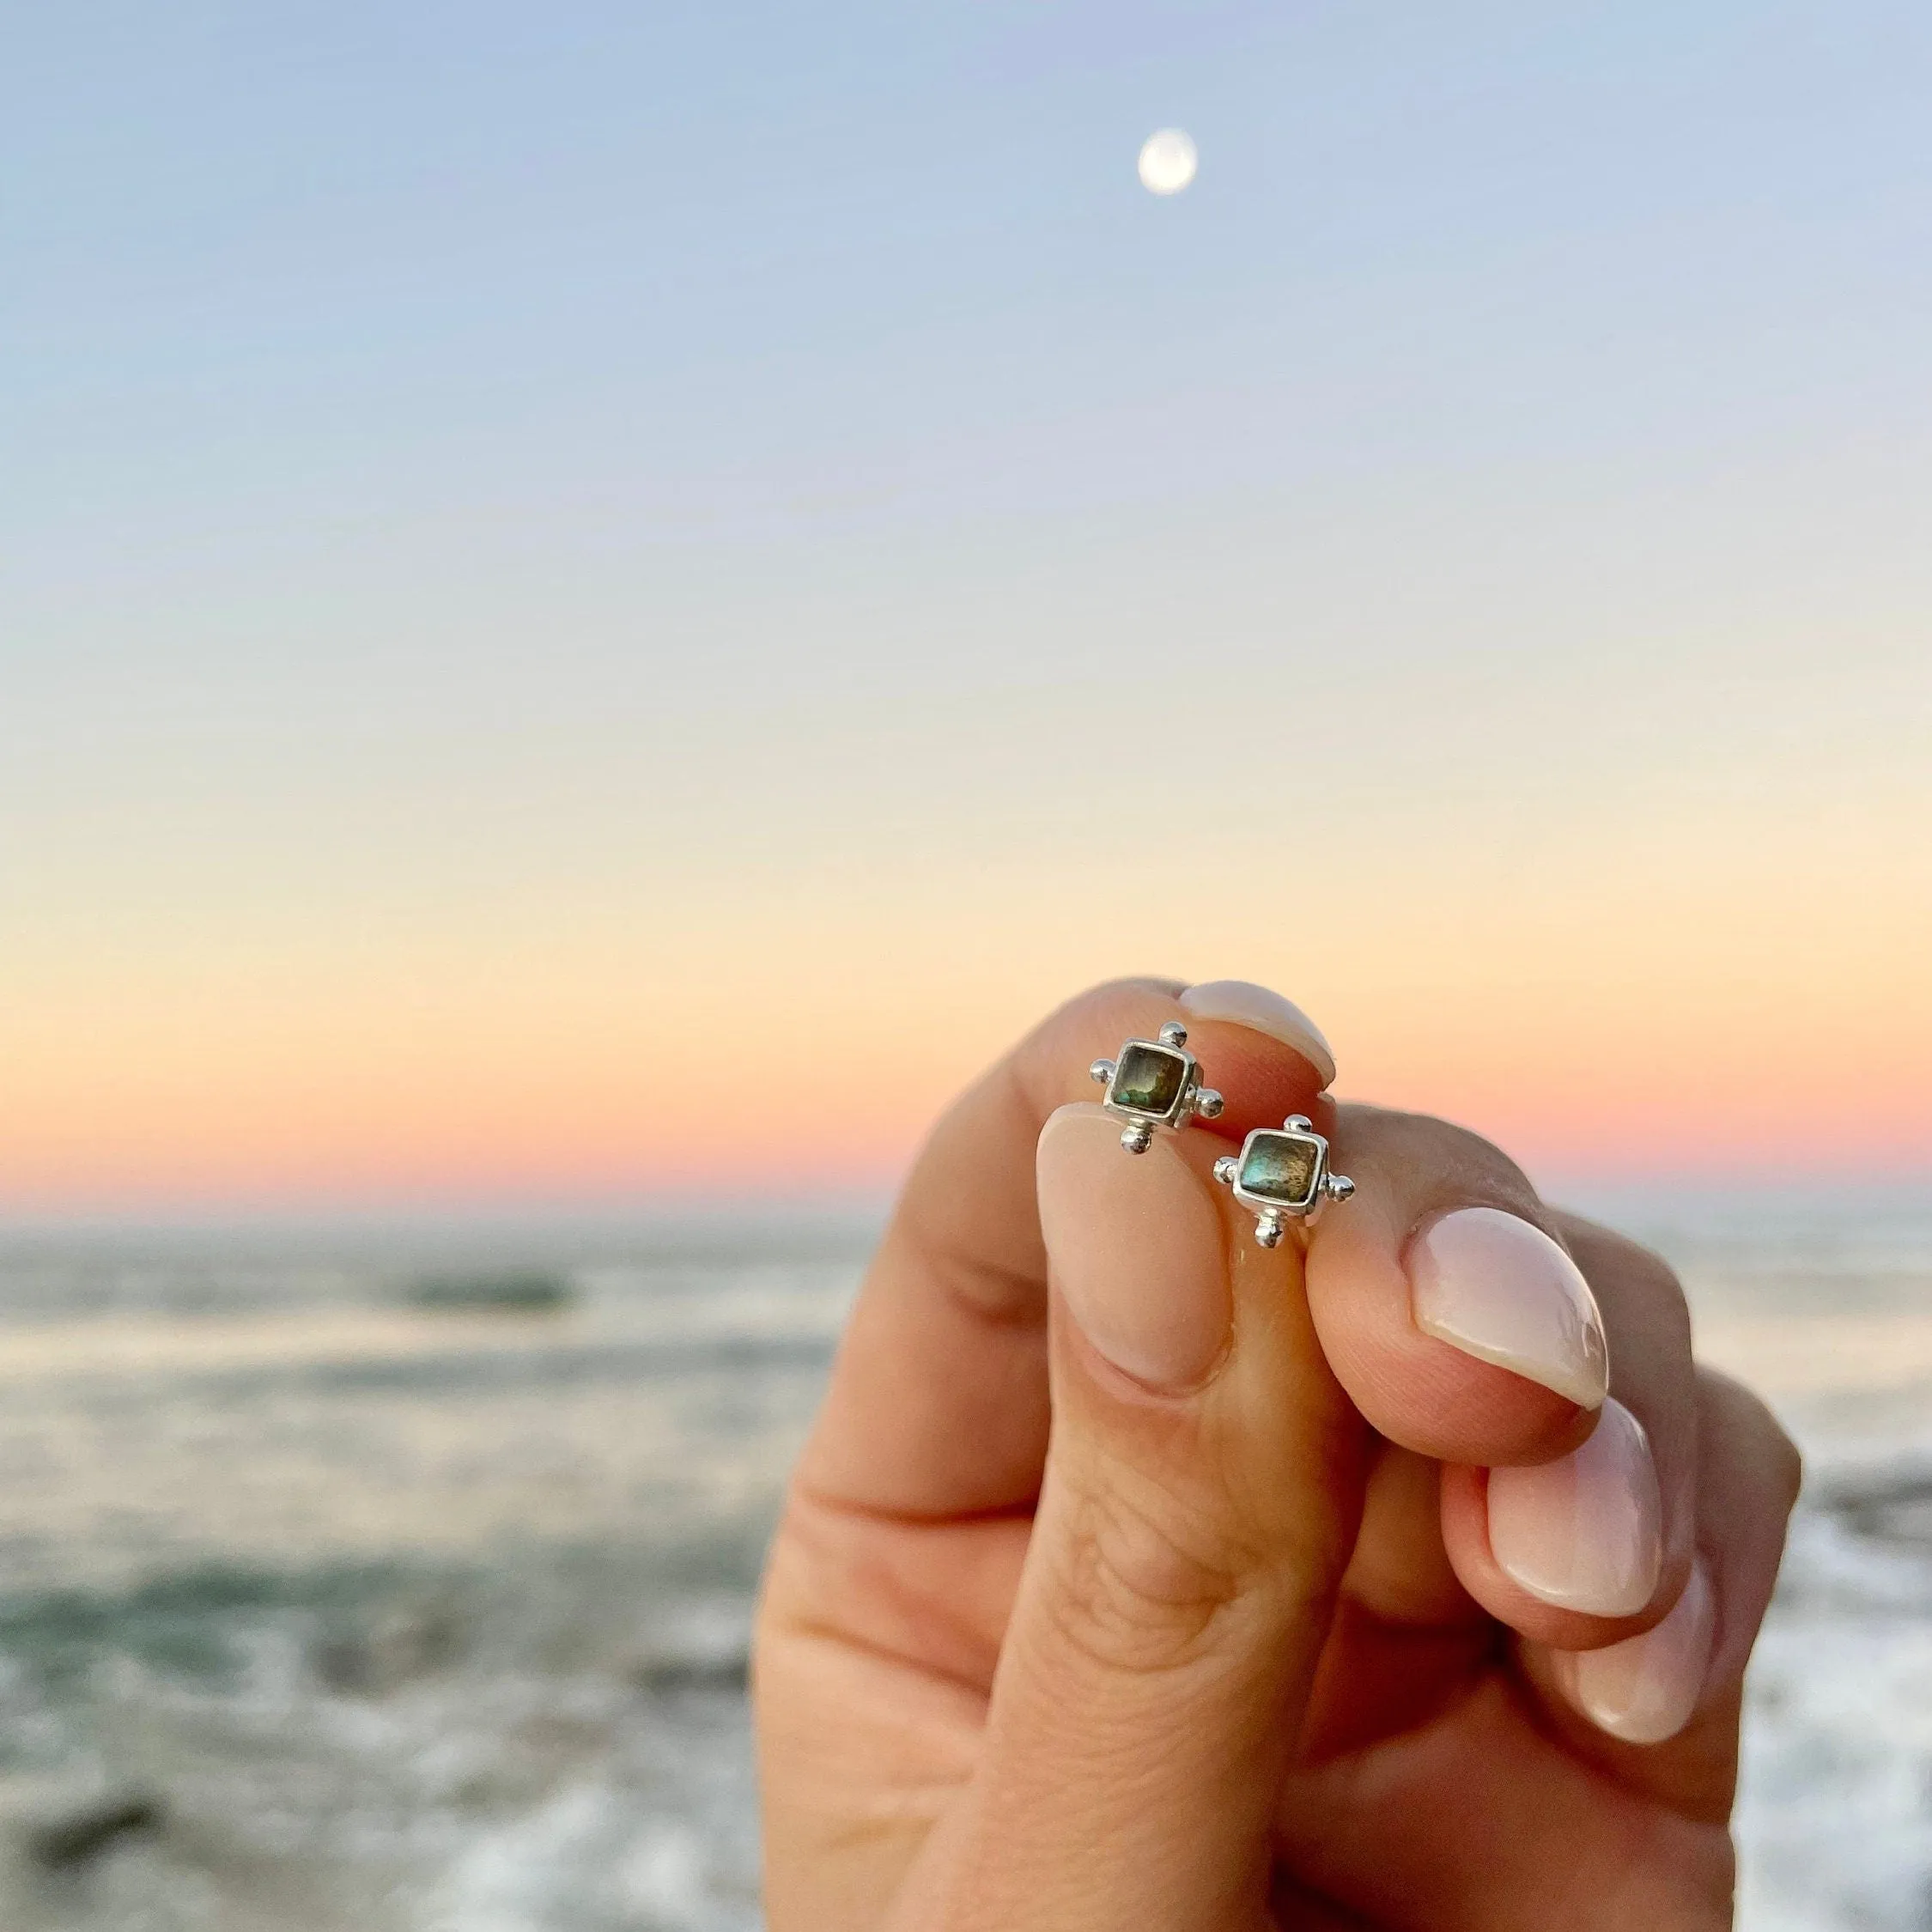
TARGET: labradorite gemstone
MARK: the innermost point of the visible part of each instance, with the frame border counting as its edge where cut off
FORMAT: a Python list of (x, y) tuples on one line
[(1280, 1166), (1149, 1079)]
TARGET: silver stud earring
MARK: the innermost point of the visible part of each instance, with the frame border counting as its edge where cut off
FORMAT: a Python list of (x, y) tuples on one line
[(1282, 1174), (1154, 1084)]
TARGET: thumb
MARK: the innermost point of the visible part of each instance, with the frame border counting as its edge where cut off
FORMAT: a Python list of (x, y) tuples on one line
[(1201, 1498)]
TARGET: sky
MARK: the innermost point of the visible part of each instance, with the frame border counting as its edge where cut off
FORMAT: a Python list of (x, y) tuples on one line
[(604, 602)]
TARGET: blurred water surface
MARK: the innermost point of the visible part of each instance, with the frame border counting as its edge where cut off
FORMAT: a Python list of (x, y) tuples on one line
[(400, 1579)]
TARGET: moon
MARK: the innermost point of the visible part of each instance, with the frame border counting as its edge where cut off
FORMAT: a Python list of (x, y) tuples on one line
[(1168, 161)]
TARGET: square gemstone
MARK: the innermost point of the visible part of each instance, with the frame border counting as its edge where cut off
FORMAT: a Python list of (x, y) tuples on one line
[(1148, 1079), (1280, 1166)]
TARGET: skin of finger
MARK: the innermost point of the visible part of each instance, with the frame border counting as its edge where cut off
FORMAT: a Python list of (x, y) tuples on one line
[(1748, 1474), (1484, 1821), (861, 1754), (1652, 1373), (1399, 1573), (1299, 1910), (1407, 1636), (1409, 1170), (1181, 1577)]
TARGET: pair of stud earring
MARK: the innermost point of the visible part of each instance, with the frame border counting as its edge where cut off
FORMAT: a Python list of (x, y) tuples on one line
[(1280, 1174)]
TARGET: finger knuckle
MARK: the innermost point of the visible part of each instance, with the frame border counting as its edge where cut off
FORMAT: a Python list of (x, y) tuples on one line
[(1787, 1460), (1642, 1275), (1145, 1585), (1764, 1443), (1103, 1009), (1647, 1270)]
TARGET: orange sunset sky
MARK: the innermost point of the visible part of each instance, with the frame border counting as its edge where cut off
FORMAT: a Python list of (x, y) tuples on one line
[(607, 611)]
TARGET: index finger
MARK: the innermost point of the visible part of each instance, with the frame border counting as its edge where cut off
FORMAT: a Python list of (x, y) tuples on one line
[(1445, 1301)]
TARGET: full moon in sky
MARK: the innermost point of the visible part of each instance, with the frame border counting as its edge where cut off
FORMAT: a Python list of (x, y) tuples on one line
[(1168, 162)]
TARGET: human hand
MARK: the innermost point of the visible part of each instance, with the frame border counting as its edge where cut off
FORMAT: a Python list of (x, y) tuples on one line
[(1138, 1577)]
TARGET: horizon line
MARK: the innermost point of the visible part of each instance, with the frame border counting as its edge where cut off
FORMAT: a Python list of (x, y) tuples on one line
[(850, 1204)]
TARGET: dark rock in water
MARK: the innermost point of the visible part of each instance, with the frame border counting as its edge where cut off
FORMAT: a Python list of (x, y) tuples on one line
[(388, 1653), (663, 1674), (1894, 1508), (701, 1644), (508, 1291), (60, 1845)]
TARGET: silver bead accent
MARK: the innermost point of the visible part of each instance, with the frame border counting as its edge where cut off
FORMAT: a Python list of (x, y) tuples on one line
[(1138, 1138)]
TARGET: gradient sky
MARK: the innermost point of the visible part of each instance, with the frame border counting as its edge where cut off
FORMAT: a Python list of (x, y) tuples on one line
[(599, 599)]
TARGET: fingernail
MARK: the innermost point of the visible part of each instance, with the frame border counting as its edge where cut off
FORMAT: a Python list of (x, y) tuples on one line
[(1644, 1689), (1585, 1533), (1240, 1003), (1498, 1288), (1133, 1245)]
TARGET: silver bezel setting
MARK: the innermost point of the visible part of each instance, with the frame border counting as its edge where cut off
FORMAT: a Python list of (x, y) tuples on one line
[(1272, 1215), (1191, 1100)]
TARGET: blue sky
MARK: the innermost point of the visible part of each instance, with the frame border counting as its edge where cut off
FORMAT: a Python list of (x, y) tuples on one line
[(323, 302), (465, 470)]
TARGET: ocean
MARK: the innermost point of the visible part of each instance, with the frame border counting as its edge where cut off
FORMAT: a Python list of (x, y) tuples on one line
[(399, 1578)]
